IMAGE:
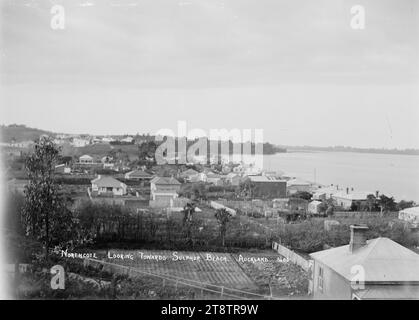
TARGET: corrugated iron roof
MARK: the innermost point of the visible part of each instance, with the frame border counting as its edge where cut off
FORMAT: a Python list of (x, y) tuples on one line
[(412, 211), (382, 259), (164, 180), (357, 195), (393, 292), (139, 173), (298, 182), (106, 181), (264, 179), (86, 156)]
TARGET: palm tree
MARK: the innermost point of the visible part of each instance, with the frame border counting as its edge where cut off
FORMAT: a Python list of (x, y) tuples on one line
[(223, 217), (188, 212)]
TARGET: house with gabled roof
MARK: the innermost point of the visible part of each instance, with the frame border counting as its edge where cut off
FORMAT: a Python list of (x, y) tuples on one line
[(108, 186), (163, 190), (365, 269), (138, 175), (86, 159)]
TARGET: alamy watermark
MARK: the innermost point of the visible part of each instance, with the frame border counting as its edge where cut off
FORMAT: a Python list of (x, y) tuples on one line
[(217, 146), (58, 278)]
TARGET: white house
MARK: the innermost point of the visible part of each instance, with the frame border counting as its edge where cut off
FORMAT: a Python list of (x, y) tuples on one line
[(86, 159), (324, 193), (346, 199), (410, 215), (313, 207), (128, 140), (163, 189), (108, 186), (107, 139), (62, 169), (375, 269), (79, 143)]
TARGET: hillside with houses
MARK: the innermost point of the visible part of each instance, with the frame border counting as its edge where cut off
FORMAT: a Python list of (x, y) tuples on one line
[(290, 237)]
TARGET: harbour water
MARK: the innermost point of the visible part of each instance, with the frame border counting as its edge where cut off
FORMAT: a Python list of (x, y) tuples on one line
[(390, 174)]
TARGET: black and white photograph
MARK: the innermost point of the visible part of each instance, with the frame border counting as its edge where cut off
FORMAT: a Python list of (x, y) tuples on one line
[(234, 152)]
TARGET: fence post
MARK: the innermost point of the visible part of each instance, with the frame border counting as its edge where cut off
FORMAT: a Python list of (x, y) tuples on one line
[(270, 288)]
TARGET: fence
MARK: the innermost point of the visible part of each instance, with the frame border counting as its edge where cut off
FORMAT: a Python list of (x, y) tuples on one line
[(216, 206), (168, 280), (292, 256), (362, 214)]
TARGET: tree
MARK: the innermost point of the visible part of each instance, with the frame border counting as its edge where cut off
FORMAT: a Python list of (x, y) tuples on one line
[(386, 204), (405, 204), (302, 195), (356, 206), (46, 217), (330, 210), (223, 217), (327, 207), (322, 207), (199, 191), (65, 159), (147, 151), (246, 189)]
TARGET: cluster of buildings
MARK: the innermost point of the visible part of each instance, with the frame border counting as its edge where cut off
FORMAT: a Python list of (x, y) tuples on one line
[(87, 162), (80, 141), (274, 186), (345, 199)]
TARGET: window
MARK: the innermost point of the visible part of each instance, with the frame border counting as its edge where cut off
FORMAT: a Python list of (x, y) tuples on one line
[(320, 279)]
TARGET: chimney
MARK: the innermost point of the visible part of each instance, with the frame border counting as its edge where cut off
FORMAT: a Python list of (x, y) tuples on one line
[(352, 189), (377, 194), (347, 190), (358, 237)]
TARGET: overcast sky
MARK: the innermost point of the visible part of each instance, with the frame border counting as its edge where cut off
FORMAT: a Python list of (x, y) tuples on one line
[(293, 68)]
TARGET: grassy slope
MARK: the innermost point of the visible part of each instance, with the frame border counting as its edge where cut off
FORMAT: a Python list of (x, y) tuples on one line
[(20, 133)]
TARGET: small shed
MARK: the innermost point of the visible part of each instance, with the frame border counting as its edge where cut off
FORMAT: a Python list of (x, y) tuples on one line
[(313, 207)]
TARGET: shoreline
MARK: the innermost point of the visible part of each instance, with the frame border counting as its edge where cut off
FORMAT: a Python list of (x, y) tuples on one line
[(389, 152)]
